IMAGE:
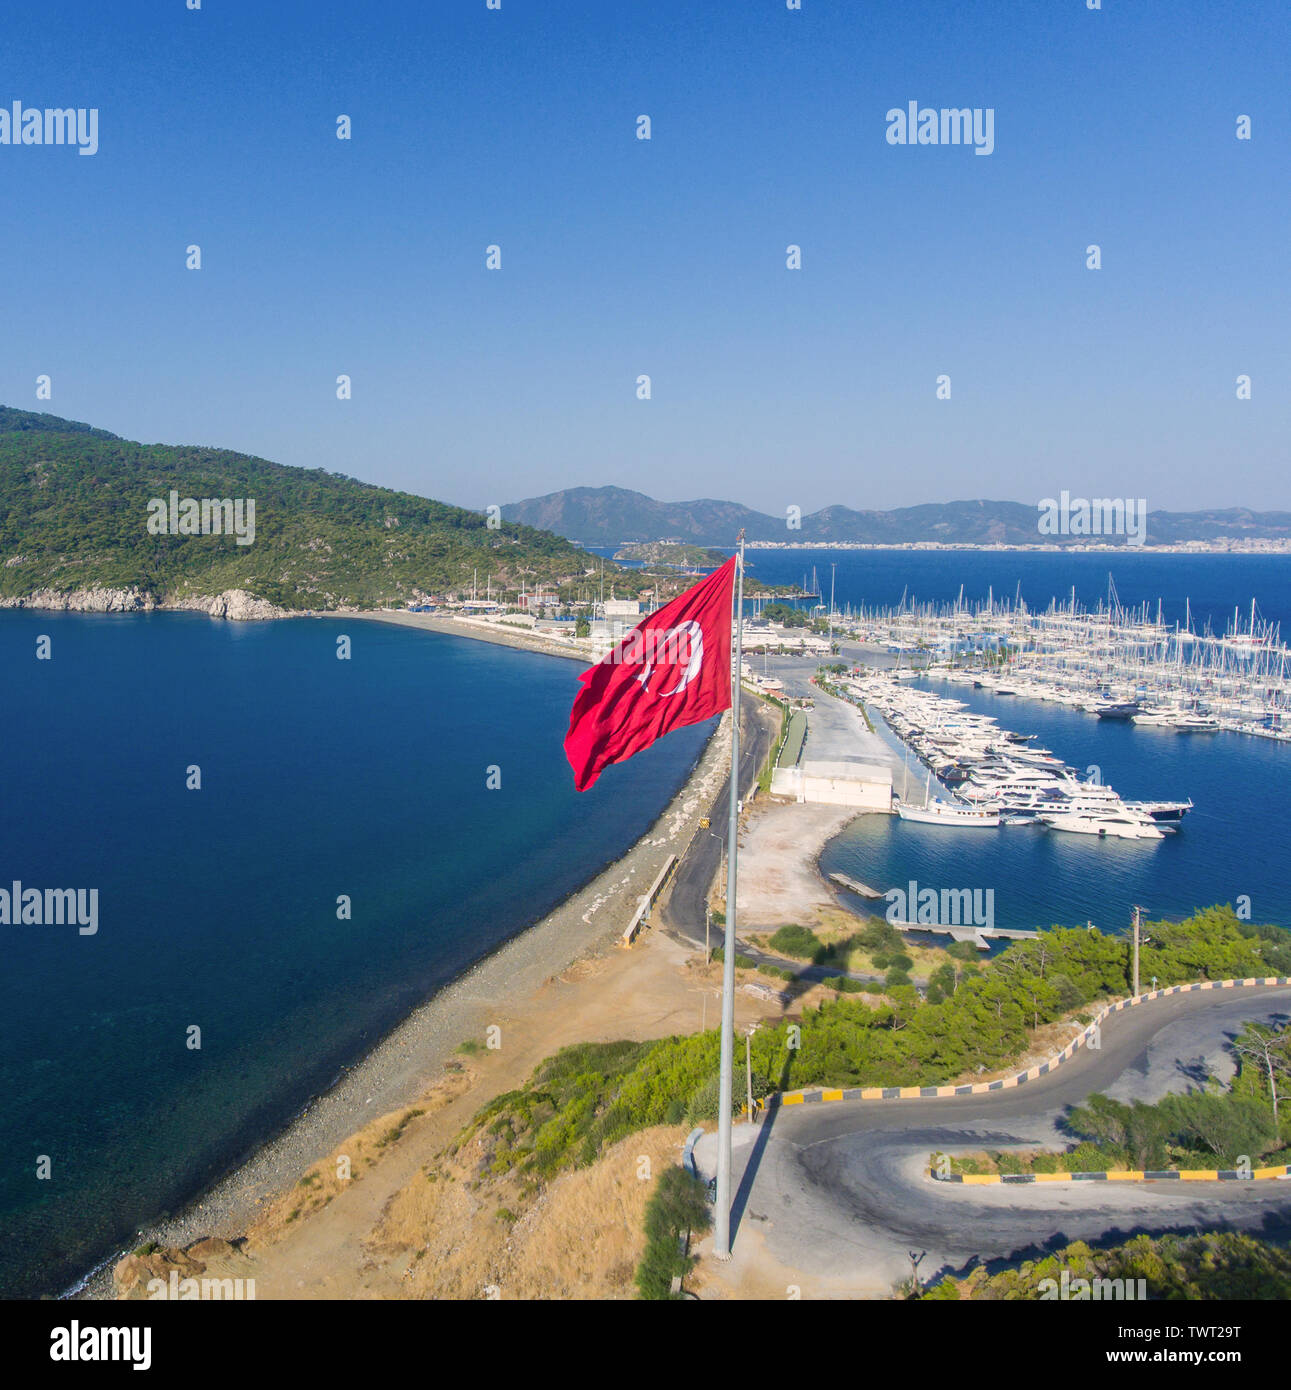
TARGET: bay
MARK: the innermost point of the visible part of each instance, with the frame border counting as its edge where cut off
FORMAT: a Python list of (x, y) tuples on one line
[(320, 779)]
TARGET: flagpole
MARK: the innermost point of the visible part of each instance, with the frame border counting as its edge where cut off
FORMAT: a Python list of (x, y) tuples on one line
[(722, 1223)]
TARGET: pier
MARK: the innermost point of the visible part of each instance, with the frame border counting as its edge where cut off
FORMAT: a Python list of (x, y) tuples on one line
[(854, 886), (979, 936)]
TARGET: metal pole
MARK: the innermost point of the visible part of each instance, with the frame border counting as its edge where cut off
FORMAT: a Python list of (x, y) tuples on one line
[(1137, 911), (748, 1071), (722, 1217)]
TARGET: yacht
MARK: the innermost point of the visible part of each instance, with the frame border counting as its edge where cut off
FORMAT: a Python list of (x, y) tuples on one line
[(1180, 721), (1012, 783), (1122, 824), (940, 812), (1117, 709), (1196, 724), (1163, 812), (1156, 718)]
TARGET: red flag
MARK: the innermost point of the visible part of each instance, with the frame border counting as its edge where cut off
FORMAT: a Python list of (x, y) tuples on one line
[(672, 669)]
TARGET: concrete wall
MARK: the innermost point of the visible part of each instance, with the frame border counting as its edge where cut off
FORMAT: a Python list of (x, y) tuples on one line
[(835, 784)]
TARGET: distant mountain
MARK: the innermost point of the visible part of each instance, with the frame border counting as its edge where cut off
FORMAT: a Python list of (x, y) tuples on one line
[(75, 516), (614, 515), (1229, 523), (608, 515)]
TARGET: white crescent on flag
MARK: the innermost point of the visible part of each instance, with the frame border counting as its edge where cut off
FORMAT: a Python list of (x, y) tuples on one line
[(686, 638), (695, 633)]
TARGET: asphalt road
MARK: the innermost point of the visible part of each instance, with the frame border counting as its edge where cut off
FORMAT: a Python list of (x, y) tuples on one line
[(683, 909), (836, 1189)]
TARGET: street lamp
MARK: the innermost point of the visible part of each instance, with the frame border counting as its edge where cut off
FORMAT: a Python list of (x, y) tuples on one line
[(748, 1067)]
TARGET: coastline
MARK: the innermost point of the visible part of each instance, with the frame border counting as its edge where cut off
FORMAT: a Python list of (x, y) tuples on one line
[(478, 628), (237, 605), (411, 1057)]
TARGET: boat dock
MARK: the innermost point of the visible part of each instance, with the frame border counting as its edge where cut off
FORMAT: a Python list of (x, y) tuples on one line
[(855, 886), (981, 937)]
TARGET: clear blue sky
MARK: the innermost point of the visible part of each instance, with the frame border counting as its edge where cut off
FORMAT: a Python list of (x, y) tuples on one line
[(623, 257)]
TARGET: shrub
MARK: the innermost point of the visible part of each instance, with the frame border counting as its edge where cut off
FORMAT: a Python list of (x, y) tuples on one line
[(799, 942), (742, 962), (702, 1104), (677, 1206), (1088, 1158)]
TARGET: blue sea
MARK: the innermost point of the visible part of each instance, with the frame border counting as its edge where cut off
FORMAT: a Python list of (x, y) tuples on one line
[(218, 908), (1204, 588), (1208, 588)]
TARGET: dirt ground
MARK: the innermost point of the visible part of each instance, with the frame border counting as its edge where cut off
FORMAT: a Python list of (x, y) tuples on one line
[(778, 879), (388, 1231)]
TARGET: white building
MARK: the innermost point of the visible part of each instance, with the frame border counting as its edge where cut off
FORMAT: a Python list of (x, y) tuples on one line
[(863, 785)]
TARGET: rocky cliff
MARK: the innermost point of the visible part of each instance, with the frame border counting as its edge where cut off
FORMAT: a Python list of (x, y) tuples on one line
[(237, 604)]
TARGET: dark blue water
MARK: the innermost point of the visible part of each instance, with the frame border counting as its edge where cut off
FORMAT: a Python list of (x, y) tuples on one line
[(1232, 845), (1210, 587), (218, 907)]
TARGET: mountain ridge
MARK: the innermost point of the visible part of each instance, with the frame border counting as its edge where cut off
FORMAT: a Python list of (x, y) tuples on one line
[(613, 515)]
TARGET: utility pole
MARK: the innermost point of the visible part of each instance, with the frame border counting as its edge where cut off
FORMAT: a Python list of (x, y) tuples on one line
[(748, 1070), (1138, 911), (832, 567)]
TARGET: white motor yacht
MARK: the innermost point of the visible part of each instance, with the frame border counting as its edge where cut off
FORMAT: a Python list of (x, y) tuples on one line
[(1123, 824)]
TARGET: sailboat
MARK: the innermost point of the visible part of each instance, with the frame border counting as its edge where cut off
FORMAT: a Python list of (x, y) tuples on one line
[(936, 811)]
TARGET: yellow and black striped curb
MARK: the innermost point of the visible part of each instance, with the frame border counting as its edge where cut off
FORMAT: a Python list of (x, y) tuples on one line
[(1139, 1175), (814, 1094)]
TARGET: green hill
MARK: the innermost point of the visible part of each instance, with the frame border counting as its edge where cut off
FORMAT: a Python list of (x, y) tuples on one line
[(74, 513)]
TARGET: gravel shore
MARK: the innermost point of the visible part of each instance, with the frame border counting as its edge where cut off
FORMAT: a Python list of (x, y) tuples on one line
[(477, 628), (400, 1068)]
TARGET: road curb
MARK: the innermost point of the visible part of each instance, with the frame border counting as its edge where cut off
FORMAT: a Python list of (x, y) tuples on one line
[(817, 1094), (688, 1153), (1115, 1175)]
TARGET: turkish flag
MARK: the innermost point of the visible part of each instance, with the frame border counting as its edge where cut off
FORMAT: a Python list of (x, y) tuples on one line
[(672, 669)]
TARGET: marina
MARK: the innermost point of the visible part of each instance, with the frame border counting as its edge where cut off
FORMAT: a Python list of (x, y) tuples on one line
[(1227, 851), (988, 776), (1112, 662)]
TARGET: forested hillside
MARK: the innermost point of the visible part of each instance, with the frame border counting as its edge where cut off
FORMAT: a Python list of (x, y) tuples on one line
[(74, 515)]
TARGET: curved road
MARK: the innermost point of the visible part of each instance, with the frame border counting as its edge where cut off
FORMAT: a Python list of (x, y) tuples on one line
[(836, 1191)]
